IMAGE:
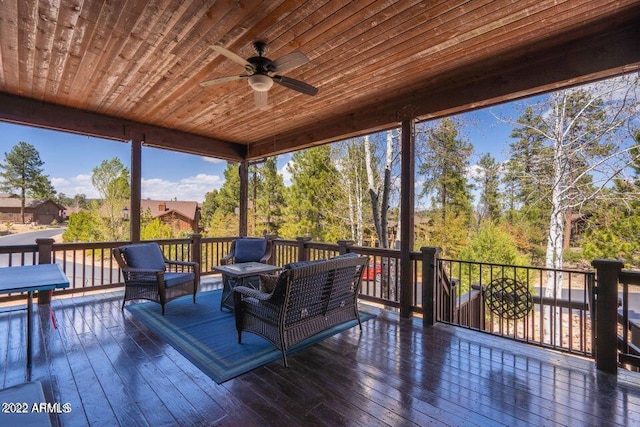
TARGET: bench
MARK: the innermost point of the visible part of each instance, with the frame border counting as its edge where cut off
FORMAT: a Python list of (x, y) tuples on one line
[(308, 298)]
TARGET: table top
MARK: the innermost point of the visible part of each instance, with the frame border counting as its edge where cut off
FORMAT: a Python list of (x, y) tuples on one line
[(245, 269), (30, 278), (28, 393)]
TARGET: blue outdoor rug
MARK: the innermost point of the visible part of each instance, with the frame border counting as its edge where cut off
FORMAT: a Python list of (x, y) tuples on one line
[(208, 338)]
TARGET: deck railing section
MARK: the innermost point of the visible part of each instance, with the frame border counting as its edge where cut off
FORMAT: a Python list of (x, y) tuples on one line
[(629, 319), (559, 310), (548, 308)]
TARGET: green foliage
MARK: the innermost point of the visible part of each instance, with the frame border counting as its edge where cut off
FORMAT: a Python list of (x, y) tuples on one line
[(269, 198), (489, 206), (155, 230), (493, 245), (83, 226), (311, 199), (227, 199), (444, 168), (111, 179)]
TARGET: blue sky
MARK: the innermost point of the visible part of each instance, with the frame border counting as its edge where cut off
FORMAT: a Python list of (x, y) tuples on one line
[(69, 159)]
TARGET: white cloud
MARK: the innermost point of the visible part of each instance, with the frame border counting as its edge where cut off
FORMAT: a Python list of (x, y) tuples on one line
[(189, 188), (79, 184), (212, 160)]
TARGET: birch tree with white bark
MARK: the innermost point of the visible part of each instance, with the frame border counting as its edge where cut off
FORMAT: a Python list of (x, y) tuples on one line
[(587, 132)]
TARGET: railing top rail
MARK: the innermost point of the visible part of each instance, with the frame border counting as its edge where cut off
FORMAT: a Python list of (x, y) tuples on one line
[(365, 250), (591, 272), (320, 245), (630, 277), (18, 248), (218, 239)]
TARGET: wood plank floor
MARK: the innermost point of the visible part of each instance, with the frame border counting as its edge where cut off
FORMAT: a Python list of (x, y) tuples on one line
[(113, 371)]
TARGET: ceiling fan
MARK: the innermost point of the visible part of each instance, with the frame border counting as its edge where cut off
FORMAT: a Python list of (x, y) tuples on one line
[(261, 72)]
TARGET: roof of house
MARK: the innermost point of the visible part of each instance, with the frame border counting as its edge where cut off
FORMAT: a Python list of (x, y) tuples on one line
[(15, 202), (160, 208)]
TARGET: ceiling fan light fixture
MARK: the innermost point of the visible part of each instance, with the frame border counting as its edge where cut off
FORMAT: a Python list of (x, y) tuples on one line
[(260, 82)]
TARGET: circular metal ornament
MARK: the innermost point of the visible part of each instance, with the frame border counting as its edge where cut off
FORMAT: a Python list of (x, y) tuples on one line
[(508, 298)]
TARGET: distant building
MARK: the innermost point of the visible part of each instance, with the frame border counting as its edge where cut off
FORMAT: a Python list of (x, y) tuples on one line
[(36, 211), (179, 215)]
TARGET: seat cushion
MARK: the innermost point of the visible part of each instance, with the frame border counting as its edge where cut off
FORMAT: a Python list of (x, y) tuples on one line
[(147, 256), (177, 279), (249, 249)]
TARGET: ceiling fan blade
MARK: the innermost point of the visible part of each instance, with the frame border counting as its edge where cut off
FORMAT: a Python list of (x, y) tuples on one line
[(294, 84), (221, 80), (260, 98), (232, 56), (288, 61)]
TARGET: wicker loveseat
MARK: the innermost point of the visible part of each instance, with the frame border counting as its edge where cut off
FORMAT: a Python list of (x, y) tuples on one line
[(307, 298)]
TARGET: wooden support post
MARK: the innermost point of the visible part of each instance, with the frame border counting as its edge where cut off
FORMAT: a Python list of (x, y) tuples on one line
[(430, 256), (136, 188), (606, 340), (244, 198), (303, 254), (344, 246), (196, 251), (45, 256), (407, 193)]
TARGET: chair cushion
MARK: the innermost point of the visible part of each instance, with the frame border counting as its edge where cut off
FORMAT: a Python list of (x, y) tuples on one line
[(177, 279), (146, 256), (249, 249)]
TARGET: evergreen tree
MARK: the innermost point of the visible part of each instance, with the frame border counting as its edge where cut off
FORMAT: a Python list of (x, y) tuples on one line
[(269, 200), (489, 206), (445, 160), (311, 199), (616, 226), (22, 171)]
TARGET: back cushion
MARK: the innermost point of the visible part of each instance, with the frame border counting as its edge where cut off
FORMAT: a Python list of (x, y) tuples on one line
[(249, 249), (147, 256)]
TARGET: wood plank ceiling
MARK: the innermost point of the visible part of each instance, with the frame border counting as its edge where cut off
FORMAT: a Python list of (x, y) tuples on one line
[(131, 69)]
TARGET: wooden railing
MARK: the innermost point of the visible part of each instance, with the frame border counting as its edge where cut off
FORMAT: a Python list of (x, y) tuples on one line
[(629, 320), (548, 308), (442, 290)]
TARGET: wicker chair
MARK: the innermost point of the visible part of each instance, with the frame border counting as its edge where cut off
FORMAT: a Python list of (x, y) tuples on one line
[(248, 249), (144, 268), (307, 299)]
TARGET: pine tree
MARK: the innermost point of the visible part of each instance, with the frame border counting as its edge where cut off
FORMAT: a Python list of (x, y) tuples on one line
[(311, 199), (22, 171), (445, 160), (489, 206)]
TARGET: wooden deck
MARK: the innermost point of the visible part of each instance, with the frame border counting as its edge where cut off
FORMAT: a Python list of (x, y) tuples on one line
[(114, 371)]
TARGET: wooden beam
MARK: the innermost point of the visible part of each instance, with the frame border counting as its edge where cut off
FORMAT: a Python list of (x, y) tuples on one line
[(24, 111), (540, 68)]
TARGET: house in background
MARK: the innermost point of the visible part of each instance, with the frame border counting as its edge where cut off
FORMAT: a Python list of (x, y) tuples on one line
[(179, 215), (36, 211)]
